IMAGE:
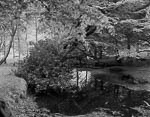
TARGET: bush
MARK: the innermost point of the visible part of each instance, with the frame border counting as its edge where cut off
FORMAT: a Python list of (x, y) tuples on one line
[(43, 68)]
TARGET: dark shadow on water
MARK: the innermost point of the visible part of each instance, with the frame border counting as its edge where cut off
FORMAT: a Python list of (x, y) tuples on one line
[(121, 105)]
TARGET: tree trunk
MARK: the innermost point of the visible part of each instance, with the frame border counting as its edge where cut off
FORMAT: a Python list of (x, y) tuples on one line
[(18, 43), (95, 52), (27, 49), (36, 29), (86, 78), (128, 44), (137, 47), (101, 52), (26, 38), (77, 79), (1, 43), (5, 46), (13, 43), (19, 48), (129, 36), (7, 52)]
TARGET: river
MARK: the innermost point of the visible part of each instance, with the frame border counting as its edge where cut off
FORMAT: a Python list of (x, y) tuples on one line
[(139, 75)]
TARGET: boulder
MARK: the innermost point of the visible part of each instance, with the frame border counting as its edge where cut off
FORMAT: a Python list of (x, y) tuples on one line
[(12, 89), (10, 84)]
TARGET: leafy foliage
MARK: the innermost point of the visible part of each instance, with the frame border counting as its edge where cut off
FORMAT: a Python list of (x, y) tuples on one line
[(118, 24), (43, 69), (11, 20)]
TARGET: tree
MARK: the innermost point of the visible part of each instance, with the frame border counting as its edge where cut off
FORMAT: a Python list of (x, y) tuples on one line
[(116, 21), (11, 11)]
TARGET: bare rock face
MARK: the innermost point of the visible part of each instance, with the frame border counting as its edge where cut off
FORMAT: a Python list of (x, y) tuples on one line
[(12, 89), (10, 84)]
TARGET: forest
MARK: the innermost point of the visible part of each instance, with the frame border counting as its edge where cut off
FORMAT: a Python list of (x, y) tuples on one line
[(79, 57)]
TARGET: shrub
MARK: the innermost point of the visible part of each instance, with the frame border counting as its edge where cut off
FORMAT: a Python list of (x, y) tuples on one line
[(43, 68)]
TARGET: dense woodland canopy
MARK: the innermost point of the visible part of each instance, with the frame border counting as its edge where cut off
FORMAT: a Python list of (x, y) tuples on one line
[(102, 24)]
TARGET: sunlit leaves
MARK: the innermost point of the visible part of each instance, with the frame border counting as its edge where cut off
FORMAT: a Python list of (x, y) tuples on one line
[(65, 19)]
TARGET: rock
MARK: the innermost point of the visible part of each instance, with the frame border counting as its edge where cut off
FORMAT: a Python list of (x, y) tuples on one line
[(12, 89), (10, 84)]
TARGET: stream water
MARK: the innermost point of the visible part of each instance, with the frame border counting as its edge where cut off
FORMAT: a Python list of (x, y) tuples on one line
[(141, 77)]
